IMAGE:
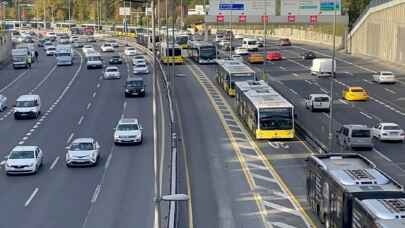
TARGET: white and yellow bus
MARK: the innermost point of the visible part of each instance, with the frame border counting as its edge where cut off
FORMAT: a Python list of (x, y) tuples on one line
[(267, 114), (166, 54), (231, 71)]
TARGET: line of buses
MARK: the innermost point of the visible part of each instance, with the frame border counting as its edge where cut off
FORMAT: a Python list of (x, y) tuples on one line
[(266, 113)]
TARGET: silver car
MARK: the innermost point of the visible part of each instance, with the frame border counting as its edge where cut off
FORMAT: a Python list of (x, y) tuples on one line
[(317, 102), (83, 152), (352, 136), (140, 68)]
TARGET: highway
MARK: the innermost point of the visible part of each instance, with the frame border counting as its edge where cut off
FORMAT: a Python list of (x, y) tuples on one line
[(77, 102)]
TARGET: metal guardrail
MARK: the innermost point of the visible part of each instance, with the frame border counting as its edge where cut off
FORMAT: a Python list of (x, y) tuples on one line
[(372, 4), (173, 171)]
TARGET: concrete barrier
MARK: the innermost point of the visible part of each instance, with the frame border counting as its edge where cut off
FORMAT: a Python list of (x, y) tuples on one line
[(296, 34), (5, 48)]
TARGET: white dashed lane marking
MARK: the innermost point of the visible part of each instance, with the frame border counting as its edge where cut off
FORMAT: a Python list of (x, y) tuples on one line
[(33, 194)]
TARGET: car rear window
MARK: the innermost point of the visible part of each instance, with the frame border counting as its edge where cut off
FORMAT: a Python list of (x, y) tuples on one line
[(364, 133), (321, 99), (357, 90), (392, 128), (112, 70)]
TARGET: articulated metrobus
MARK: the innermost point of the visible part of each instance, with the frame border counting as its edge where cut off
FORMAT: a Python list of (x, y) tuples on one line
[(182, 40), (267, 114), (202, 52), (166, 54), (231, 71)]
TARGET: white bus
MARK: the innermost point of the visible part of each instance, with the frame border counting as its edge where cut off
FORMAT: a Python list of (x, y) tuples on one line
[(202, 52), (267, 114)]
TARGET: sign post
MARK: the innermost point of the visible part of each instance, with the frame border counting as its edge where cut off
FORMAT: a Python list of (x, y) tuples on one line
[(242, 18), (313, 19)]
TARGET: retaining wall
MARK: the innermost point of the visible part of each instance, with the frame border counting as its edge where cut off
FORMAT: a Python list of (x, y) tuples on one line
[(5, 48)]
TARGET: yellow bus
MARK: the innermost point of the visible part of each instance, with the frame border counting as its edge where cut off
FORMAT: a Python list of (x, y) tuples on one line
[(166, 54), (231, 71), (182, 40), (267, 114)]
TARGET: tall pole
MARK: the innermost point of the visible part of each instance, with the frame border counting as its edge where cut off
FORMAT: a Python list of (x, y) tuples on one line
[(181, 15), (265, 39), (332, 81), (44, 1), (230, 37), (205, 24), (158, 16), (70, 18)]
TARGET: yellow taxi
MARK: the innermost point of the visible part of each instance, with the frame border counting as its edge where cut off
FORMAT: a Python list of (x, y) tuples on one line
[(255, 58), (355, 93)]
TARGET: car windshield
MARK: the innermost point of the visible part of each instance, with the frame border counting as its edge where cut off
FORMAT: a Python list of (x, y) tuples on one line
[(276, 119), (51, 49), (94, 58), (127, 127), (251, 42), (81, 146), (111, 70), (116, 57), (131, 49), (386, 73), (21, 155), (135, 83), (361, 133), (140, 65), (139, 57), (393, 127), (321, 99), (25, 104), (357, 90), (107, 45)]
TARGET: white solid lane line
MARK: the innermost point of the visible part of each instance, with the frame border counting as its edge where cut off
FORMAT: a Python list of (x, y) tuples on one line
[(94, 94), (343, 101), (366, 115), (34, 193), (107, 163), (293, 91), (12, 82), (382, 155), (324, 90), (54, 163), (391, 91)]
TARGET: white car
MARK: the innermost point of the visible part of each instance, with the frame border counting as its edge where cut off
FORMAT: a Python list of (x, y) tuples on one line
[(83, 152), (237, 58), (112, 72), (138, 59), (130, 51), (388, 131), (317, 102), (87, 48), (241, 51), (107, 47), (239, 36), (128, 131), (51, 50), (24, 159), (140, 68), (384, 77), (3, 103)]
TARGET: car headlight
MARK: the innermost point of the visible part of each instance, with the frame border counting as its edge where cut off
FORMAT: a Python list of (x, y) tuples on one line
[(8, 165), (142, 89), (31, 165), (127, 90)]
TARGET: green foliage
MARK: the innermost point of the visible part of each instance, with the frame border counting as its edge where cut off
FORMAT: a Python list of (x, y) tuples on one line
[(354, 8)]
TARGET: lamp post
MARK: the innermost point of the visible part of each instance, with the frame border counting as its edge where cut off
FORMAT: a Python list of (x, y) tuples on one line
[(330, 135), (3, 6), (265, 39)]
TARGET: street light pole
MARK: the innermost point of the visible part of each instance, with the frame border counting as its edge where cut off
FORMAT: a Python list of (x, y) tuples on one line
[(205, 24), (330, 135), (265, 39)]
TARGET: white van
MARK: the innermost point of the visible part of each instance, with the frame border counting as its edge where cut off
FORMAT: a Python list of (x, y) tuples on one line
[(322, 67), (94, 60), (27, 106), (250, 44)]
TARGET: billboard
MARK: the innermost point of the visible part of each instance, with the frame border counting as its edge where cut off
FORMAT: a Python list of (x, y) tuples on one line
[(274, 7)]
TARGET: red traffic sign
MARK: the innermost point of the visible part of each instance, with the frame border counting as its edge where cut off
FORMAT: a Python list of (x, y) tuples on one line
[(220, 18), (313, 19), (265, 19), (291, 18), (242, 18)]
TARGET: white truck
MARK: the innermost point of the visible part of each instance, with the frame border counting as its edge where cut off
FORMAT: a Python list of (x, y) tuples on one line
[(64, 54), (322, 67), (384, 77), (19, 57)]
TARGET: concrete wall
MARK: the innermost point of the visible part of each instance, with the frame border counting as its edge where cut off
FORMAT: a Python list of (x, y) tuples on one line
[(381, 33), (5, 48), (306, 35)]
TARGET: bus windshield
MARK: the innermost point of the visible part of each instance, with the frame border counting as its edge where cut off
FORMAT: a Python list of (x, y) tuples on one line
[(181, 40), (276, 119), (207, 53), (177, 52)]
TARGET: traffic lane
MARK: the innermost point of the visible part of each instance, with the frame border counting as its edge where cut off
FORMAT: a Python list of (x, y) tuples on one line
[(13, 130), (214, 169), (74, 188), (127, 187)]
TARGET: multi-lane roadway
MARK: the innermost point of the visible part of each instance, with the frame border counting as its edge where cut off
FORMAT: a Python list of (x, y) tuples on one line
[(77, 102)]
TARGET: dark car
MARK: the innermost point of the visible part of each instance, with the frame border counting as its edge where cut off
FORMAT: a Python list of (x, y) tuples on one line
[(134, 86), (285, 42), (308, 55), (115, 59)]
